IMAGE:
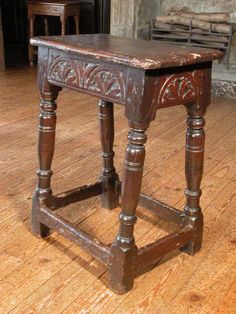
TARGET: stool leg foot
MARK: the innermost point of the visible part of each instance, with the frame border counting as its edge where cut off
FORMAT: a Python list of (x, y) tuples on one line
[(46, 143), (194, 159), (122, 267), (37, 227), (124, 251), (109, 177)]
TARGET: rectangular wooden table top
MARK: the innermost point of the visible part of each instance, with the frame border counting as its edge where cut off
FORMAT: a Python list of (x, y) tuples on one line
[(136, 53)]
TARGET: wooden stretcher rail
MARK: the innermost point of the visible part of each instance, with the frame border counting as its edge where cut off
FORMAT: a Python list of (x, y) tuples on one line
[(76, 195), (163, 210), (150, 254), (97, 249)]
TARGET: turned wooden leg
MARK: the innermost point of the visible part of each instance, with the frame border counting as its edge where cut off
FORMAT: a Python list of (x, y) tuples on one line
[(63, 25), (76, 19), (31, 34), (194, 159), (46, 143), (109, 177), (124, 251), (45, 21)]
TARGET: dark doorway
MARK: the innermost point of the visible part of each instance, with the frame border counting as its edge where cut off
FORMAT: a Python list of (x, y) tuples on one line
[(14, 26)]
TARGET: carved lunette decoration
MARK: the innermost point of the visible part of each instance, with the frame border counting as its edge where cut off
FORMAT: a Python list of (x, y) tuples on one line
[(178, 88), (123, 86), (97, 78)]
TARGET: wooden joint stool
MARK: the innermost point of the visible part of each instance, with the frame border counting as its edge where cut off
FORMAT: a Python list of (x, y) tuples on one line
[(144, 77), (45, 8)]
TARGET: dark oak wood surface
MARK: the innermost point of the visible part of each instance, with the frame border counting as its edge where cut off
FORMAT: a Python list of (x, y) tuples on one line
[(136, 53), (144, 77)]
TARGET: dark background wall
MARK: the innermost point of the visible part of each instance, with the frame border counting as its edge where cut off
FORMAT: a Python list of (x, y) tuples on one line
[(94, 18)]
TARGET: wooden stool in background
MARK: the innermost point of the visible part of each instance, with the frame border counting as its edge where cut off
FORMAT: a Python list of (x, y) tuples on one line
[(61, 8), (144, 77)]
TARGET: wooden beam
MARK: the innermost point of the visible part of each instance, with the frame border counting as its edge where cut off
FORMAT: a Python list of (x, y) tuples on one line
[(97, 249), (220, 28), (150, 254), (160, 209), (75, 195), (163, 210), (220, 17)]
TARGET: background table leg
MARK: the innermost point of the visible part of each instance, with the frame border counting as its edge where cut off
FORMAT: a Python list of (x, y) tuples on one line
[(76, 19), (45, 22), (63, 25), (31, 34)]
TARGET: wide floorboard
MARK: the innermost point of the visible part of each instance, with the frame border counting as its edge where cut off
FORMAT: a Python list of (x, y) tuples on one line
[(55, 275)]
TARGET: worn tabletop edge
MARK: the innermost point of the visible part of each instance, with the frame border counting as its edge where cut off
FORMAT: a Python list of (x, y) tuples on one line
[(146, 64)]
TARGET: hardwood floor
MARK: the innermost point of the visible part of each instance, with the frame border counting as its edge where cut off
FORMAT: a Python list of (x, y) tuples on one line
[(55, 275)]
